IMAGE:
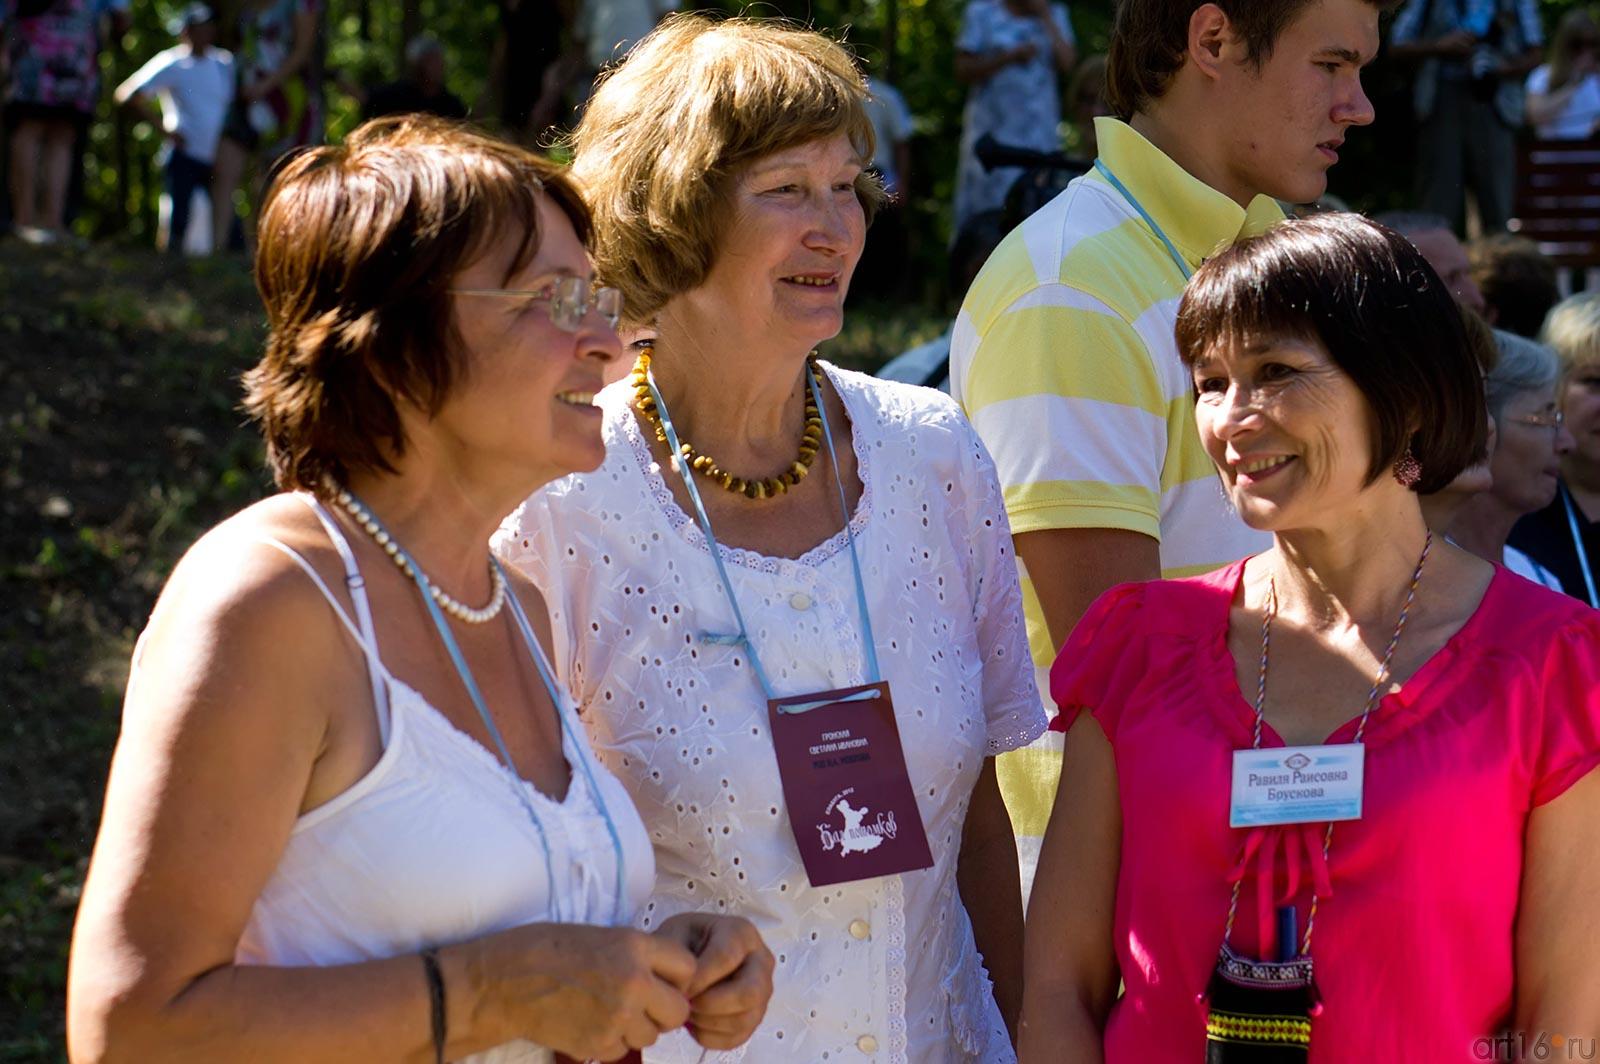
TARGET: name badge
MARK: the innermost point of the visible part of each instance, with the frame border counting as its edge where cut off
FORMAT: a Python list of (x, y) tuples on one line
[(851, 806), (1297, 785)]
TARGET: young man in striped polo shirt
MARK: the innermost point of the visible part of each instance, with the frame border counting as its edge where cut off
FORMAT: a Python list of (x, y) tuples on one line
[(1063, 353)]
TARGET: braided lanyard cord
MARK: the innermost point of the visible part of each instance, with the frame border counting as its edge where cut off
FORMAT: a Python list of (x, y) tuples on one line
[(1578, 547), (1373, 698)]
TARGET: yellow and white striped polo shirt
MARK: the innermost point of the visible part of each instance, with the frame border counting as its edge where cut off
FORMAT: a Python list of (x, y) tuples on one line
[(1064, 358)]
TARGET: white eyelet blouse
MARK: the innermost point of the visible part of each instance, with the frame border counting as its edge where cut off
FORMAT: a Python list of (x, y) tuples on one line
[(880, 970)]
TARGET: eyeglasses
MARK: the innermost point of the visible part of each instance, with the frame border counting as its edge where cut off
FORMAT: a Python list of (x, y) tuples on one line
[(1552, 420), (570, 298)]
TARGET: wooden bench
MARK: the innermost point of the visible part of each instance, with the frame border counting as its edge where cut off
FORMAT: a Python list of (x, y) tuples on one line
[(1557, 206)]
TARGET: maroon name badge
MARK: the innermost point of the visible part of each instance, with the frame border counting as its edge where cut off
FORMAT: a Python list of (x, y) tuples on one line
[(844, 776)]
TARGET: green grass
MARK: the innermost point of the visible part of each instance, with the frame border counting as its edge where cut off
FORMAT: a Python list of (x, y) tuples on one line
[(120, 442)]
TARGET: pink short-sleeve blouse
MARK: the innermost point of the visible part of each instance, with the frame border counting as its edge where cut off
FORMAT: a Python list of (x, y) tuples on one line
[(1413, 948)]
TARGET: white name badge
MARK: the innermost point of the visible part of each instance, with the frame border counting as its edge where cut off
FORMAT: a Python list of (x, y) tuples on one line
[(1297, 785)]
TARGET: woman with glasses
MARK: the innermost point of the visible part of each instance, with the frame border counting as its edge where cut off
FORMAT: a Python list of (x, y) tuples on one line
[(1565, 535), (1530, 440), (352, 816), (786, 603), (1564, 94)]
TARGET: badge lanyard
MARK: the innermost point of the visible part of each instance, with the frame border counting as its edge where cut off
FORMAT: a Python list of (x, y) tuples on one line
[(868, 648), (1105, 171), (1243, 996), (843, 757), (547, 675), (1577, 545)]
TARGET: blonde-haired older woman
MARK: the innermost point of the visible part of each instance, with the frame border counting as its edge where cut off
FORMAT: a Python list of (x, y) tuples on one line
[(1564, 537), (695, 597)]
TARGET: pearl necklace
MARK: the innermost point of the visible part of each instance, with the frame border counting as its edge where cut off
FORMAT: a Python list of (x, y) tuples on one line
[(451, 605)]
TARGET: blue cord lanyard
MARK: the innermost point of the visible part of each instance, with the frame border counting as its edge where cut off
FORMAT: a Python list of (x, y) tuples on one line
[(869, 650), (546, 674), (1577, 545), (1105, 172)]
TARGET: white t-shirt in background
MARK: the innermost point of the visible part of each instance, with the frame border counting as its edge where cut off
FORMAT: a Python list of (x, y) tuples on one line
[(195, 91), (1577, 120)]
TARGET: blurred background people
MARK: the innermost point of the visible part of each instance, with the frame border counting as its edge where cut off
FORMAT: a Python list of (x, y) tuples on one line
[(1432, 235), (421, 89), (274, 108), (1009, 54), (185, 92), (1564, 537), (884, 270), (1467, 95), (49, 65), (1564, 93), (1517, 282), (1525, 463)]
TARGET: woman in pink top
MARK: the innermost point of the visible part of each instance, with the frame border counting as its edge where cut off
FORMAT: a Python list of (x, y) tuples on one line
[(1333, 383)]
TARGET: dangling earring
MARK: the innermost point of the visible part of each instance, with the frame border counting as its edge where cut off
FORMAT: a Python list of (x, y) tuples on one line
[(1408, 471)]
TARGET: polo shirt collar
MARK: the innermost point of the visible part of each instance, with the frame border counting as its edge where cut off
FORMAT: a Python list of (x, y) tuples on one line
[(1196, 217)]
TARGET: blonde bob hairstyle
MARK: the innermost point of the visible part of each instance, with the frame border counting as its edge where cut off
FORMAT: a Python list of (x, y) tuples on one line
[(1573, 329), (669, 131)]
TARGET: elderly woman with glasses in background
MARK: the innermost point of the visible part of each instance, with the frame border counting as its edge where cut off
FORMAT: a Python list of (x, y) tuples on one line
[(774, 542), (1525, 466)]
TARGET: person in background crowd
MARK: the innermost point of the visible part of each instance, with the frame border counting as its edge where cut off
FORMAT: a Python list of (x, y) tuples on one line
[(1525, 463), (1472, 58), (929, 364), (1009, 54), (1062, 353), (1517, 280), (884, 270), (422, 90), (377, 854), (1564, 537), (194, 83), (695, 581), (1433, 237), (1086, 101), (1564, 94), (49, 70), (1333, 384), (274, 108)]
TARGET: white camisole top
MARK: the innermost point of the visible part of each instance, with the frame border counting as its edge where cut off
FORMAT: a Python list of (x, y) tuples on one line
[(435, 845)]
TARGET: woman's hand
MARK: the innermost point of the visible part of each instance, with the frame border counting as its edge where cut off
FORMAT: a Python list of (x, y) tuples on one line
[(732, 980), (590, 992)]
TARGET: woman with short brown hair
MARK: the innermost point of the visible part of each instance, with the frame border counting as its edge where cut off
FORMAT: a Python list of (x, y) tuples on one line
[(812, 544), (351, 817)]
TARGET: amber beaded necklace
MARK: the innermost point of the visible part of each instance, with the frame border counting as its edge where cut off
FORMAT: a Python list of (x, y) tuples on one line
[(706, 466)]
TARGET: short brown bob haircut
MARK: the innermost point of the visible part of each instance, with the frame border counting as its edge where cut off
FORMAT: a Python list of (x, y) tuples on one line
[(1368, 296), (358, 246), (1150, 40), (668, 132)]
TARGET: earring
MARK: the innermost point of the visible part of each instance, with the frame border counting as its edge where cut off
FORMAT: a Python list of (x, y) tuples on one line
[(1408, 471)]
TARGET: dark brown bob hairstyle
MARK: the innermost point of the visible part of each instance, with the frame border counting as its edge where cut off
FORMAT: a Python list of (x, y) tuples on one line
[(1371, 300), (358, 246), (1150, 40)]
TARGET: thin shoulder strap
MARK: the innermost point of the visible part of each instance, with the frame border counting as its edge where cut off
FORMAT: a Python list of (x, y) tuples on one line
[(367, 635)]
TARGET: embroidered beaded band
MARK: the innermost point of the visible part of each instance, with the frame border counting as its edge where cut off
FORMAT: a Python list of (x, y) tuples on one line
[(451, 605), (753, 488)]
